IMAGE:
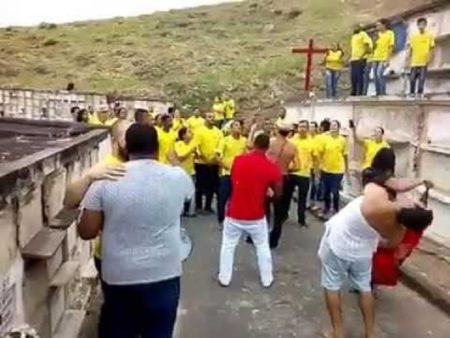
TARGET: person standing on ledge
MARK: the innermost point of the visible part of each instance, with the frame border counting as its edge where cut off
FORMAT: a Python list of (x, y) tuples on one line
[(361, 47), (141, 249), (384, 47), (252, 176), (420, 53), (334, 62)]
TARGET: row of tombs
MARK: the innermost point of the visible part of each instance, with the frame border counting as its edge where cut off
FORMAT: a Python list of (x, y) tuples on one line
[(44, 275)]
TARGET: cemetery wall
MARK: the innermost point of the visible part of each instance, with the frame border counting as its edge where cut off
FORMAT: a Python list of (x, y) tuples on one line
[(28, 103), (417, 131), (41, 255)]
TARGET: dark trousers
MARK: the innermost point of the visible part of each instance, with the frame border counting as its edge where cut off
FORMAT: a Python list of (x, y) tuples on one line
[(223, 196), (281, 211), (206, 184), (357, 77), (332, 185), (418, 74), (302, 184), (144, 311)]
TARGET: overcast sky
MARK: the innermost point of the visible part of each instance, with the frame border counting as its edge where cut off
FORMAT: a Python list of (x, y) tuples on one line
[(32, 12)]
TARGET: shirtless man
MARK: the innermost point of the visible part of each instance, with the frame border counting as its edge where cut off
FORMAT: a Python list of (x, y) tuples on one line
[(353, 235), (285, 154)]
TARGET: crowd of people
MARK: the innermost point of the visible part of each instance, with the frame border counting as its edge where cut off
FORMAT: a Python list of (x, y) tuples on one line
[(165, 167), (370, 56)]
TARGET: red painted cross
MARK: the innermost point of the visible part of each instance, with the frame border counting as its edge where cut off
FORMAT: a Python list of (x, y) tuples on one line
[(310, 51)]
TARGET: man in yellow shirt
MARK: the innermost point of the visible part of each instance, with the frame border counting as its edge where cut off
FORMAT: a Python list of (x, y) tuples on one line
[(184, 151), (384, 47), (178, 121), (102, 118), (421, 49), (229, 148), (195, 121), (166, 138), (334, 164), (334, 62), (361, 46), (219, 112), (371, 145), (207, 139), (229, 108), (307, 161)]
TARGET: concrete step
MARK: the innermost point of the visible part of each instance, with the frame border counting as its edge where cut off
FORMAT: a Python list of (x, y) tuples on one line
[(70, 324), (428, 272)]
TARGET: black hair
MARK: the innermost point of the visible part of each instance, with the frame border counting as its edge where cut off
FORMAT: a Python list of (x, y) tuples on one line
[(73, 109), (325, 125), (385, 23), (70, 86), (80, 114), (415, 219), (141, 139), (284, 132), (165, 117), (262, 141), (422, 20), (171, 110), (384, 160), (303, 121), (314, 123), (138, 114), (181, 133)]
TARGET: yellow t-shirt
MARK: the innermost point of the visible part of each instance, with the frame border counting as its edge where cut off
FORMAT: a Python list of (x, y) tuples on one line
[(109, 160), (178, 124), (218, 109), (182, 149), (193, 123), (207, 141), (358, 44), (306, 153), (229, 108), (166, 143), (333, 151), (229, 148), (384, 46), (371, 148), (334, 60), (421, 46), (93, 120)]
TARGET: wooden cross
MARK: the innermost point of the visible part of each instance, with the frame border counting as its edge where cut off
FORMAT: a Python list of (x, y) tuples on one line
[(310, 51)]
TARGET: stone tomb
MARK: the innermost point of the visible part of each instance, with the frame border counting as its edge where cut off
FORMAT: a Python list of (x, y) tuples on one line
[(41, 256)]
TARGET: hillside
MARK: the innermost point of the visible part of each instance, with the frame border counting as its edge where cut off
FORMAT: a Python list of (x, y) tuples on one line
[(187, 56)]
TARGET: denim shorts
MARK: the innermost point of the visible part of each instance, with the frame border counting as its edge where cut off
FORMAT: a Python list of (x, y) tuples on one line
[(336, 270)]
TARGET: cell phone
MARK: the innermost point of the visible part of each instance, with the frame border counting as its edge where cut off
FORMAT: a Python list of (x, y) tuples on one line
[(351, 124)]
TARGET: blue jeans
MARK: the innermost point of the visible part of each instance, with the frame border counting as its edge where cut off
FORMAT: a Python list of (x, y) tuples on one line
[(316, 188), (223, 196), (379, 68), (367, 71), (332, 185), (143, 310), (331, 82), (357, 68), (418, 74)]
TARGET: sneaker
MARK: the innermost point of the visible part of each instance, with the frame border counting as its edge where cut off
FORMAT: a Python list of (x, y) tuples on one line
[(267, 284)]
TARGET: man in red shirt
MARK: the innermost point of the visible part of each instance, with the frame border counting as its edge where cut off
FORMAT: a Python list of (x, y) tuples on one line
[(252, 176)]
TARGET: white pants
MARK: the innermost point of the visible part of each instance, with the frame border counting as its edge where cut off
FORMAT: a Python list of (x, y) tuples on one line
[(232, 232)]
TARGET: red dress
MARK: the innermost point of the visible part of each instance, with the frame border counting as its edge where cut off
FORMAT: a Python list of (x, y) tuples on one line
[(387, 261)]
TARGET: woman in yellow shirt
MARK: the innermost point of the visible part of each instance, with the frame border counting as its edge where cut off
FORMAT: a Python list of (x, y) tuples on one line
[(334, 62), (371, 145), (184, 150), (334, 163)]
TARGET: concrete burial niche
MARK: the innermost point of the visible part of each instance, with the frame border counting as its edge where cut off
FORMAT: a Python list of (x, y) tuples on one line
[(41, 255), (418, 131)]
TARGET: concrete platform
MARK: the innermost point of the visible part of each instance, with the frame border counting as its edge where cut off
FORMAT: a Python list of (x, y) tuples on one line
[(293, 307)]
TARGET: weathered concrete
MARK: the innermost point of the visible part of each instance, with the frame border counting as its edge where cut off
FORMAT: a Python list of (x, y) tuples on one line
[(293, 307)]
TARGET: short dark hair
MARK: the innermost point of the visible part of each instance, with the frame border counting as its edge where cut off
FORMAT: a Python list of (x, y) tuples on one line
[(80, 114), (422, 20), (262, 141), (138, 114), (73, 109), (141, 139), (304, 121), (314, 123), (337, 122), (381, 128), (165, 117), (415, 219), (385, 23), (170, 110), (181, 133), (325, 125)]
